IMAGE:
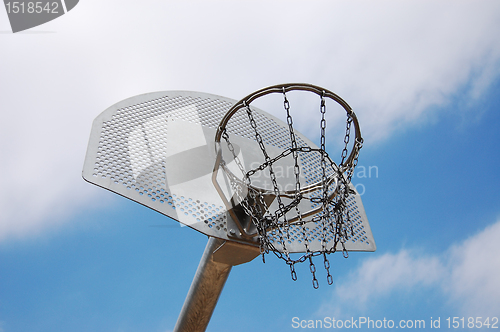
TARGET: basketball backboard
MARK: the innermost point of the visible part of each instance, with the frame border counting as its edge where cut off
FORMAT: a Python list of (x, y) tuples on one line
[(158, 149)]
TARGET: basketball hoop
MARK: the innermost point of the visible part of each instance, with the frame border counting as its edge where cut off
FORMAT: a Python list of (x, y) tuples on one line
[(311, 211)]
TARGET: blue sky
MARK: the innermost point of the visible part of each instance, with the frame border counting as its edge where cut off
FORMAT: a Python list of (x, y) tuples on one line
[(423, 78)]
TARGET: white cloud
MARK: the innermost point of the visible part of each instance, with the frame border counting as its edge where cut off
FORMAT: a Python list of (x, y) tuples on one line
[(390, 272), (466, 275), (390, 60), (475, 270), (398, 59)]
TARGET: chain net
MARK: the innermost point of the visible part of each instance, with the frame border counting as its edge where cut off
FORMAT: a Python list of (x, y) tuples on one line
[(329, 195)]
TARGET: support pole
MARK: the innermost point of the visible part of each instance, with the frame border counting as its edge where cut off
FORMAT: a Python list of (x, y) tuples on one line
[(215, 264), (204, 293)]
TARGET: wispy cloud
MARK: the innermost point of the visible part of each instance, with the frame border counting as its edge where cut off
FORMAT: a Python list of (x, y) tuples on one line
[(466, 275), (395, 60), (390, 272), (474, 266)]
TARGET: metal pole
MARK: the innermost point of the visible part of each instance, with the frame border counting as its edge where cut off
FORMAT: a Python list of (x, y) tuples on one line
[(204, 292), (215, 264)]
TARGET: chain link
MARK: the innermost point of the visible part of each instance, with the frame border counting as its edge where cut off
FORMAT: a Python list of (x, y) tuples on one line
[(329, 277), (312, 268), (292, 272)]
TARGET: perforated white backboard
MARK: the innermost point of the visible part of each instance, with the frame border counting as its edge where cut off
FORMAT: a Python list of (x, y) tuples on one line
[(157, 149)]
